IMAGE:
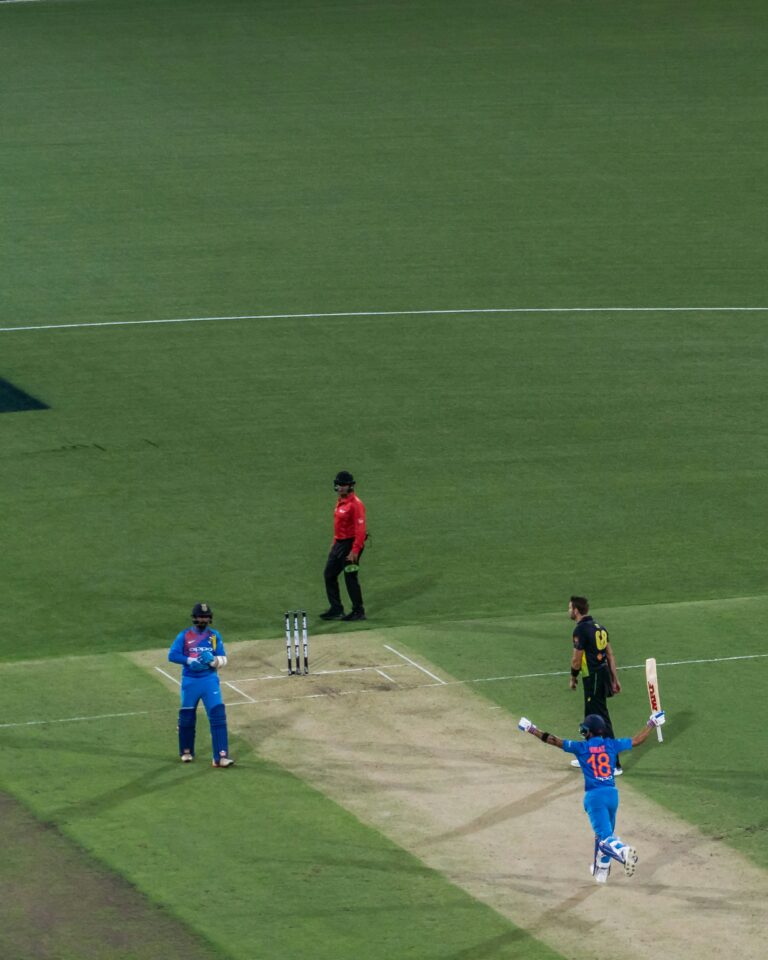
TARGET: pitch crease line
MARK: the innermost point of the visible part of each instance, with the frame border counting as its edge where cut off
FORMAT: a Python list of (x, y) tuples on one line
[(237, 690), (414, 664), (382, 313), (172, 679), (351, 693), (100, 716)]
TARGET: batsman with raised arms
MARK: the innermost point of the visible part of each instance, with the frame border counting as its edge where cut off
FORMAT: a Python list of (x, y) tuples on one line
[(200, 651), (597, 756)]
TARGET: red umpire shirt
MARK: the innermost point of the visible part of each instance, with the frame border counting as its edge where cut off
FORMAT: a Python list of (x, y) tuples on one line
[(349, 521)]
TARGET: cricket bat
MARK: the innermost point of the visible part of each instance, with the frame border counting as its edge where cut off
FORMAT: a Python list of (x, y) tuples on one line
[(653, 690)]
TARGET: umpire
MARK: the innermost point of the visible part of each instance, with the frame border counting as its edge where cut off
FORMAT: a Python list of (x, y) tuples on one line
[(594, 662), (349, 536)]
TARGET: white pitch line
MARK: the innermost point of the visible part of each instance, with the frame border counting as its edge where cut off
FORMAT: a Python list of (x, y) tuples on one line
[(633, 666), (241, 692), (413, 663), (99, 716), (677, 663), (317, 673), (351, 693), (172, 679), (385, 676), (382, 313)]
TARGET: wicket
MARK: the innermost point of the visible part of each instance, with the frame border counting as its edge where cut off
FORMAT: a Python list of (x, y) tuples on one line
[(298, 640)]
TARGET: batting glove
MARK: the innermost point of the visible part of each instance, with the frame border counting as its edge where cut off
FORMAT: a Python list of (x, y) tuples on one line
[(524, 724), (657, 719), (206, 657)]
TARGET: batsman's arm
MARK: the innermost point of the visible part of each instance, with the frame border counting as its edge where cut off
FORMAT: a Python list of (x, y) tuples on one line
[(545, 737), (527, 727), (655, 720)]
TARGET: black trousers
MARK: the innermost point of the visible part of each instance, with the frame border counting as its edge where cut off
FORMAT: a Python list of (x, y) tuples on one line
[(337, 561), (597, 689)]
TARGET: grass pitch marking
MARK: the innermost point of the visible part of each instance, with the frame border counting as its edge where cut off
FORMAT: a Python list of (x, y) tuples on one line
[(238, 690), (472, 311), (414, 664), (397, 688), (165, 674)]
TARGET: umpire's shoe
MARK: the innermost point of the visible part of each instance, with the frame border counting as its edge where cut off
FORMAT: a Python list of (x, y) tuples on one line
[(333, 613), (357, 614)]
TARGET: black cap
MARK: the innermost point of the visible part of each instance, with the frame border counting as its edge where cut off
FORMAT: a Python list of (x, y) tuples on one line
[(202, 610), (344, 478)]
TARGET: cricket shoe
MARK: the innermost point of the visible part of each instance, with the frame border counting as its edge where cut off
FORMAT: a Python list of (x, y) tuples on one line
[(333, 613), (629, 859), (223, 762), (618, 771), (358, 614), (187, 757), (600, 871)]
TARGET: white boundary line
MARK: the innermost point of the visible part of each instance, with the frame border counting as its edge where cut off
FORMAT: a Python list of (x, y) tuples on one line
[(413, 663), (383, 313), (351, 693)]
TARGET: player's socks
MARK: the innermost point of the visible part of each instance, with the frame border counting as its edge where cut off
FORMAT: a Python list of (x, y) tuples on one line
[(219, 739), (612, 847)]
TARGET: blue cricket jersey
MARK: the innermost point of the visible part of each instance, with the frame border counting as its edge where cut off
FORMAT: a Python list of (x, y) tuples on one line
[(597, 758), (189, 643)]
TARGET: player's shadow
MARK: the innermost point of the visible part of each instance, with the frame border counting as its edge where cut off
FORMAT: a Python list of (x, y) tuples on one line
[(408, 590), (534, 801), (155, 781), (496, 946), (672, 730), (27, 744)]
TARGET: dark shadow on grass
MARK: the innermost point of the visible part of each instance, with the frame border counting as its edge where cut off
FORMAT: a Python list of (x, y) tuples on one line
[(492, 947), (407, 590)]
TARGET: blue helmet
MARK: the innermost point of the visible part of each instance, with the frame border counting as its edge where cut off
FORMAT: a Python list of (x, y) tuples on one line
[(592, 726)]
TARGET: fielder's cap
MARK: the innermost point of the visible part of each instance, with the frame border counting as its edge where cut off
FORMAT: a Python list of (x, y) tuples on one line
[(202, 610), (344, 478)]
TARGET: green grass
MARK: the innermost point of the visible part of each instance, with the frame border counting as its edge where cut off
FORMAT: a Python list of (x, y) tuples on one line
[(505, 464), (710, 768), (251, 857), (177, 158), (184, 156)]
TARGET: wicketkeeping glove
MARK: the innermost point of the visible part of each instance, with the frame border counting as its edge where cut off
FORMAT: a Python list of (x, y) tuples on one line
[(524, 724), (206, 656), (196, 664), (657, 719)]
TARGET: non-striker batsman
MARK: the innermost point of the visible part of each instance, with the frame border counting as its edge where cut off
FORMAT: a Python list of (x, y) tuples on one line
[(200, 651)]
